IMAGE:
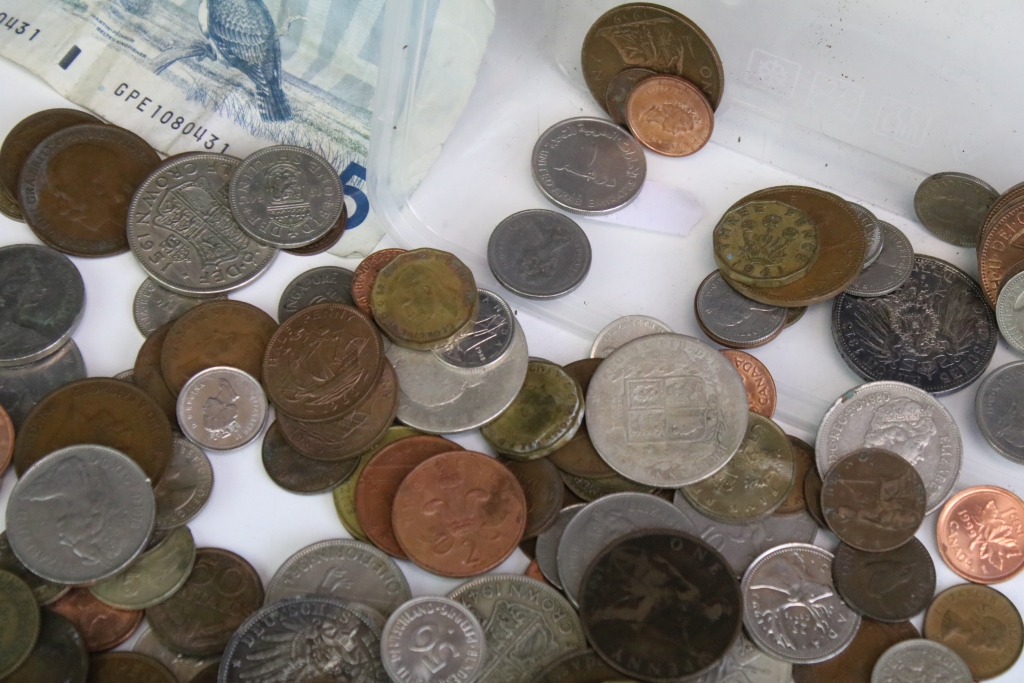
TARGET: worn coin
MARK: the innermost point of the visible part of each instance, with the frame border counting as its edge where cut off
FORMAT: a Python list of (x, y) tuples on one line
[(765, 243), (19, 622), (619, 88), (625, 329), (207, 675), (9, 206), (980, 534), (854, 664), (22, 386), (1010, 311), (294, 472), (185, 487), (999, 248), (872, 232), (803, 458), (548, 542), (590, 489), (578, 666), (325, 243), (432, 640), (588, 166), (487, 340), (101, 626), (365, 275), (578, 457), (59, 655), (45, 591), (812, 496), (183, 668), (154, 306), (793, 314), (888, 586), (670, 115), (148, 375), (1000, 412), (732, 319), (327, 284), (920, 660), (980, 624), (539, 254), (953, 206), (118, 667), (890, 270), (222, 408), (153, 577), (543, 489), (6, 440)]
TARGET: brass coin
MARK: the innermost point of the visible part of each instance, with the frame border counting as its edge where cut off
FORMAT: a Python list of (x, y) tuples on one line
[(294, 472), (58, 657), (761, 394), (803, 457), (856, 662), (101, 626), (980, 624), (593, 488), (19, 622), (323, 244), (45, 591), (812, 496), (765, 243), (365, 275), (895, 585), (154, 576), (9, 207), (127, 667), (424, 298), (149, 376), (670, 116), (543, 489)]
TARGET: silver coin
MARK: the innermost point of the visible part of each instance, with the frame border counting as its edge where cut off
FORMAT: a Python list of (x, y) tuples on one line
[(899, 418), (438, 398), (588, 166), (42, 298), (155, 306), (348, 570), (791, 609), (604, 521), (80, 514), (953, 207), (744, 663), (222, 408), (22, 386), (489, 338), (184, 487), (872, 231), (286, 196), (1010, 312), (666, 410), (327, 284), (181, 230), (526, 625), (184, 668), (920, 661), (546, 552), (539, 254), (890, 270), (46, 592), (732, 319), (126, 376), (303, 639), (432, 640), (999, 409), (741, 543), (623, 330)]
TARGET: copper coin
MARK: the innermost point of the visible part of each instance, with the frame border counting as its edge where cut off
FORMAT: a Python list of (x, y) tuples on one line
[(1001, 247), (220, 594), (9, 206), (756, 380), (855, 663), (670, 115), (365, 275), (380, 479), (101, 626), (543, 487), (323, 244), (294, 472), (127, 667), (980, 534), (980, 624), (892, 586), (583, 371), (6, 440), (459, 514), (1006, 200), (803, 460), (76, 185), (103, 411), (220, 332), (322, 362), (812, 496), (148, 375), (619, 89), (352, 434), (534, 572)]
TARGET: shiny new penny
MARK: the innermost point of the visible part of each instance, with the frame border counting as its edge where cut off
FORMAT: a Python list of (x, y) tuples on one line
[(619, 89), (323, 244), (803, 458), (58, 657), (855, 663), (757, 380), (148, 376), (1000, 249), (980, 624), (670, 115), (459, 514), (101, 626), (19, 622), (980, 534), (6, 440), (294, 472), (122, 667), (365, 275), (542, 485), (890, 586)]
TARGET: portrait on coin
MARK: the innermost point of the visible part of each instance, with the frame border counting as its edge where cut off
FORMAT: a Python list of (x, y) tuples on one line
[(902, 426)]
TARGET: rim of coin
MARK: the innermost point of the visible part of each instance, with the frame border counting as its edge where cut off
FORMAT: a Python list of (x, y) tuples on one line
[(748, 250), (153, 576), (148, 375), (1008, 315), (111, 667), (944, 662), (365, 274), (956, 223), (293, 471), (412, 660), (101, 626), (184, 668), (328, 241), (998, 391), (890, 269), (26, 134), (59, 654), (803, 454), (151, 291), (623, 330), (545, 493), (872, 231), (539, 254), (46, 592), (6, 440), (654, 96), (619, 88), (854, 664), (546, 553), (998, 250), (220, 423), (733, 320), (969, 518)]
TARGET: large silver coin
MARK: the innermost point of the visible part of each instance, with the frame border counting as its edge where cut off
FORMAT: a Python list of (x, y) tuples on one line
[(183, 667), (351, 571), (588, 166), (791, 609), (872, 231), (732, 319), (953, 206), (623, 330), (432, 640), (327, 284), (286, 196), (1010, 312), (488, 339), (181, 229), (222, 408), (184, 487), (899, 418), (920, 661), (22, 386), (744, 663), (999, 409), (666, 410), (890, 270), (438, 398), (547, 544), (155, 306), (526, 625), (80, 514), (604, 521), (42, 298), (539, 254)]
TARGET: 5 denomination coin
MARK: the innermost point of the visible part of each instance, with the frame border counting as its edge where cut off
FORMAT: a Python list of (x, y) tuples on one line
[(419, 631), (294, 472)]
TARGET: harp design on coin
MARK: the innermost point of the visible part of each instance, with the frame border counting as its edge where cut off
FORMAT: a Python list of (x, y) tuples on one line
[(652, 43), (300, 650), (327, 372), (199, 218), (802, 598)]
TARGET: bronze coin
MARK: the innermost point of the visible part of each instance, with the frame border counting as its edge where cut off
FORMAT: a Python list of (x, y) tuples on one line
[(856, 662), (619, 89), (757, 381), (6, 440), (873, 500), (76, 185), (323, 244), (1010, 198), (127, 667), (670, 116), (294, 472), (583, 371), (220, 332), (1000, 249), (220, 594), (1014, 270), (380, 479), (543, 487), (103, 411), (9, 207), (101, 626), (148, 375), (459, 514), (322, 362), (803, 455), (207, 675), (978, 623), (533, 569), (365, 275), (812, 496), (352, 434), (891, 586)]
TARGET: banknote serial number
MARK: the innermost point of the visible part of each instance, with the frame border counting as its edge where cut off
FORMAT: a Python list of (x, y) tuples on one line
[(19, 27), (157, 112)]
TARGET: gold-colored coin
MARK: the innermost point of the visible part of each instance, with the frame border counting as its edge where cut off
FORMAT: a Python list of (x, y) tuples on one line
[(19, 622), (978, 623), (153, 577), (765, 244), (592, 488)]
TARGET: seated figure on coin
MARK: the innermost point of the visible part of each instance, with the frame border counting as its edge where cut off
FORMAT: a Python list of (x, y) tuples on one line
[(902, 426)]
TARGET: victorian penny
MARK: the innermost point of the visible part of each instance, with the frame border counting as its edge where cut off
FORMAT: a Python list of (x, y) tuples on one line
[(889, 586), (542, 485), (756, 379), (323, 244), (221, 332), (459, 514), (148, 375), (380, 479), (1000, 249), (670, 115), (122, 667), (980, 624), (803, 455), (365, 275), (21, 622), (294, 472), (101, 626), (58, 657), (765, 243), (6, 440), (980, 534), (855, 663), (619, 89), (812, 496)]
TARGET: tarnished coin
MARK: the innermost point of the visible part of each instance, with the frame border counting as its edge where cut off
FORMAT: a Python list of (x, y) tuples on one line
[(286, 196), (812, 496), (294, 472), (22, 386), (920, 660), (980, 534), (533, 569), (9, 206), (1000, 412), (6, 440), (625, 329), (548, 542), (539, 254), (543, 489), (222, 408), (794, 314), (980, 624), (101, 626), (872, 232), (327, 284), (487, 340), (661, 606), (59, 655), (365, 275), (999, 248), (432, 640), (803, 459), (889, 586), (579, 666), (890, 270), (588, 166), (154, 306), (953, 206), (765, 243), (19, 625), (183, 668), (118, 667), (619, 88), (854, 664), (514, 611), (152, 577), (185, 486), (148, 375), (670, 115), (732, 319), (222, 591), (1010, 311), (45, 591), (181, 229), (591, 489), (790, 607), (80, 514)]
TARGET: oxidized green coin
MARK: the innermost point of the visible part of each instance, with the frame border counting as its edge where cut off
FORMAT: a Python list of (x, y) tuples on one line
[(765, 244), (19, 622), (58, 657), (45, 591), (152, 578)]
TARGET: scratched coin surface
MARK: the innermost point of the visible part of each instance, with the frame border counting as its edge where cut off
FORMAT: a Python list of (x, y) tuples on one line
[(487, 340), (432, 640), (365, 275), (183, 668), (294, 472), (152, 577), (1000, 412), (539, 254), (765, 243), (619, 88), (890, 270), (154, 306), (980, 534), (59, 655), (101, 626), (732, 319), (670, 115), (115, 667), (891, 586), (920, 660), (222, 408), (953, 206), (185, 486), (327, 284), (625, 329), (19, 628), (803, 458), (854, 664), (1010, 311)]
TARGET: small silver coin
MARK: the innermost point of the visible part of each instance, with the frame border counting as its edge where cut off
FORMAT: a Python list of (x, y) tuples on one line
[(899, 418), (489, 338), (999, 409), (185, 486), (327, 284), (791, 609), (348, 570), (80, 514), (588, 166), (625, 329), (42, 298), (126, 376), (890, 270), (155, 306), (432, 640), (744, 663), (184, 668), (732, 319), (222, 408), (666, 410), (539, 254), (546, 551), (286, 196), (920, 661), (953, 207), (22, 386), (872, 231), (1010, 312)]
